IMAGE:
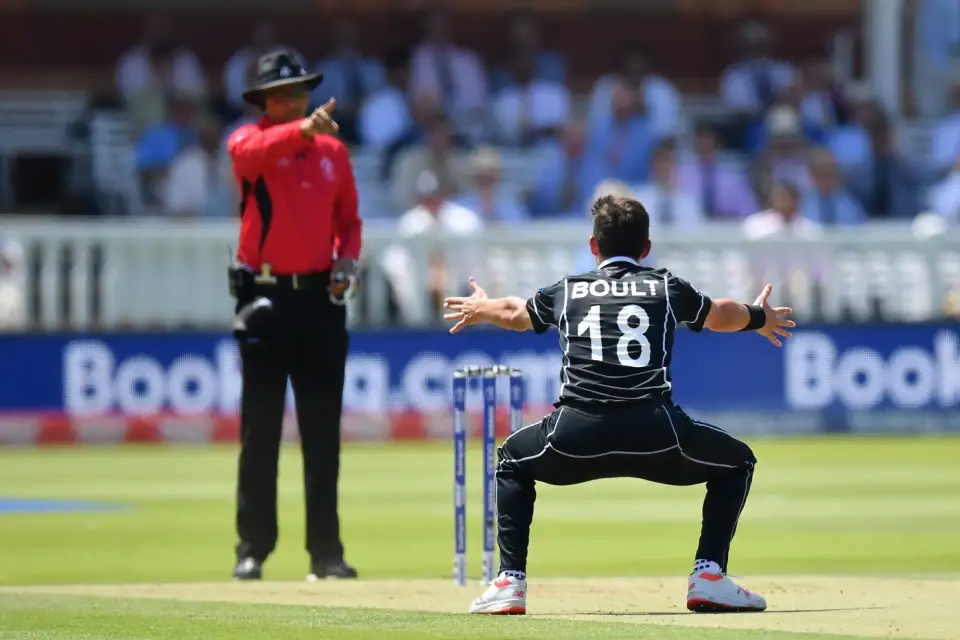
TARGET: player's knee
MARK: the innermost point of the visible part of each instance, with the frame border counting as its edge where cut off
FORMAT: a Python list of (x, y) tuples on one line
[(509, 451)]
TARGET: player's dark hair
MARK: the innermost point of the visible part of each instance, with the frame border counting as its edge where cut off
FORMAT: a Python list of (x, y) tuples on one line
[(621, 226)]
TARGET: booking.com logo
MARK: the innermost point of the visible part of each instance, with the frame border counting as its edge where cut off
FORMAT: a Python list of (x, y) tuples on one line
[(97, 381), (817, 374)]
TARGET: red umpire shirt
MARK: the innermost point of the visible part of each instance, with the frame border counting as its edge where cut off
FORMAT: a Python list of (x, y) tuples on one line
[(298, 198)]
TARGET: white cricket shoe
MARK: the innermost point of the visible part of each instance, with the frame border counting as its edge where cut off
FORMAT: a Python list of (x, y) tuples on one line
[(716, 593), (505, 596)]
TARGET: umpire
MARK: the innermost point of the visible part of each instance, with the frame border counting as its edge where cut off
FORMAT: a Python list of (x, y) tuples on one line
[(296, 266)]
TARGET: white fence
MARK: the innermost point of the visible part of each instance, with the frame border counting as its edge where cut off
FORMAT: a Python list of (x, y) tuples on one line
[(107, 274)]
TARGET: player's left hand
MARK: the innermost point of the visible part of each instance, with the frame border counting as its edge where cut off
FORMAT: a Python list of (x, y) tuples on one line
[(464, 309), (777, 320)]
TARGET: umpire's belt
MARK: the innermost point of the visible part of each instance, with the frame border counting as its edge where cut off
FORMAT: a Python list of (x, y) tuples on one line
[(314, 281)]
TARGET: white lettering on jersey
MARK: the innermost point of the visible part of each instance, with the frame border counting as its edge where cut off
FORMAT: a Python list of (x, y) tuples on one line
[(618, 288), (599, 288)]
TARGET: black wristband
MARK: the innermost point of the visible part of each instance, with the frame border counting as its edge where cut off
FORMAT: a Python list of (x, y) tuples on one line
[(758, 318)]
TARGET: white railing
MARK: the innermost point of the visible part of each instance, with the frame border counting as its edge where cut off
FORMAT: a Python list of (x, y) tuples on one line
[(115, 274)]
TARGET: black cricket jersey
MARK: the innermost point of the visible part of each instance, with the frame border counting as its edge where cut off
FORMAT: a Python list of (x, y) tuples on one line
[(616, 326)]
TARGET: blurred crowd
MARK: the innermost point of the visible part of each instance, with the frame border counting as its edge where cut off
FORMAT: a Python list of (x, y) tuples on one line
[(790, 147), (440, 109)]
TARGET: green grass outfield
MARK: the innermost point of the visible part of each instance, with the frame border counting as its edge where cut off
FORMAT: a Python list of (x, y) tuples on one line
[(837, 534)]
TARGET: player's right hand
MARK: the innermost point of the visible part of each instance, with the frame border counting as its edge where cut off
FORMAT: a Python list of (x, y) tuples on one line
[(320, 121), (464, 310), (777, 320)]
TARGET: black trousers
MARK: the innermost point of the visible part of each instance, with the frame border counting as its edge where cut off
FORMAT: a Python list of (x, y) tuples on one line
[(308, 344), (655, 442)]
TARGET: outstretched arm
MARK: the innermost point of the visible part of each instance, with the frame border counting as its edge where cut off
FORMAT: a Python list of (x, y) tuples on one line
[(728, 315), (507, 313)]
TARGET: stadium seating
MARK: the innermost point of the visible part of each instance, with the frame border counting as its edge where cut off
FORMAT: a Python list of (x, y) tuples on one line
[(36, 123)]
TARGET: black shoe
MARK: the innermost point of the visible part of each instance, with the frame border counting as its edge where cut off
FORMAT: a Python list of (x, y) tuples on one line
[(248, 569), (331, 570)]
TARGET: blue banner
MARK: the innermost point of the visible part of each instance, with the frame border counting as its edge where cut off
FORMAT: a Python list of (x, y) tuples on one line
[(903, 378)]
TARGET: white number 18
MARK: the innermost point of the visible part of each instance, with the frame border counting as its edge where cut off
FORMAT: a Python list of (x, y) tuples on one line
[(628, 334)]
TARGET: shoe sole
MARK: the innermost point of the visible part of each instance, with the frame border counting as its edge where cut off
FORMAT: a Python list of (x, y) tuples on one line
[(701, 605), (509, 611)]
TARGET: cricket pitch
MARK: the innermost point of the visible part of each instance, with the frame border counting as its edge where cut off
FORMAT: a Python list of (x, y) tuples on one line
[(873, 606)]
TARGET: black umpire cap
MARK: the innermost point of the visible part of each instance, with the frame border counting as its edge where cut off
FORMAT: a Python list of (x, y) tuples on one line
[(276, 69)]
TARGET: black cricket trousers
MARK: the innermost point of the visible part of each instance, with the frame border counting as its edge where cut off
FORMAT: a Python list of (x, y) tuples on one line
[(308, 344), (651, 441)]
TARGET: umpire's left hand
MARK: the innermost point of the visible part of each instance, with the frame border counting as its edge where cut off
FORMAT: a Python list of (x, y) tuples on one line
[(342, 276)]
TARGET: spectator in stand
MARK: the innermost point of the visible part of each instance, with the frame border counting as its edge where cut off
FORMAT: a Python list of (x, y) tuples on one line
[(386, 117), (561, 187), (784, 216), (850, 142), (157, 146), (241, 69), (618, 146), (823, 105), (425, 111), (814, 98), (723, 187), (751, 85), (452, 75), (529, 110), (656, 97), (886, 183), (828, 202), (936, 46), (200, 183), (668, 204), (137, 71), (525, 40), (797, 268), (438, 156), (13, 312), (148, 105), (407, 277), (489, 196), (946, 136), (349, 76), (945, 196), (785, 157)]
